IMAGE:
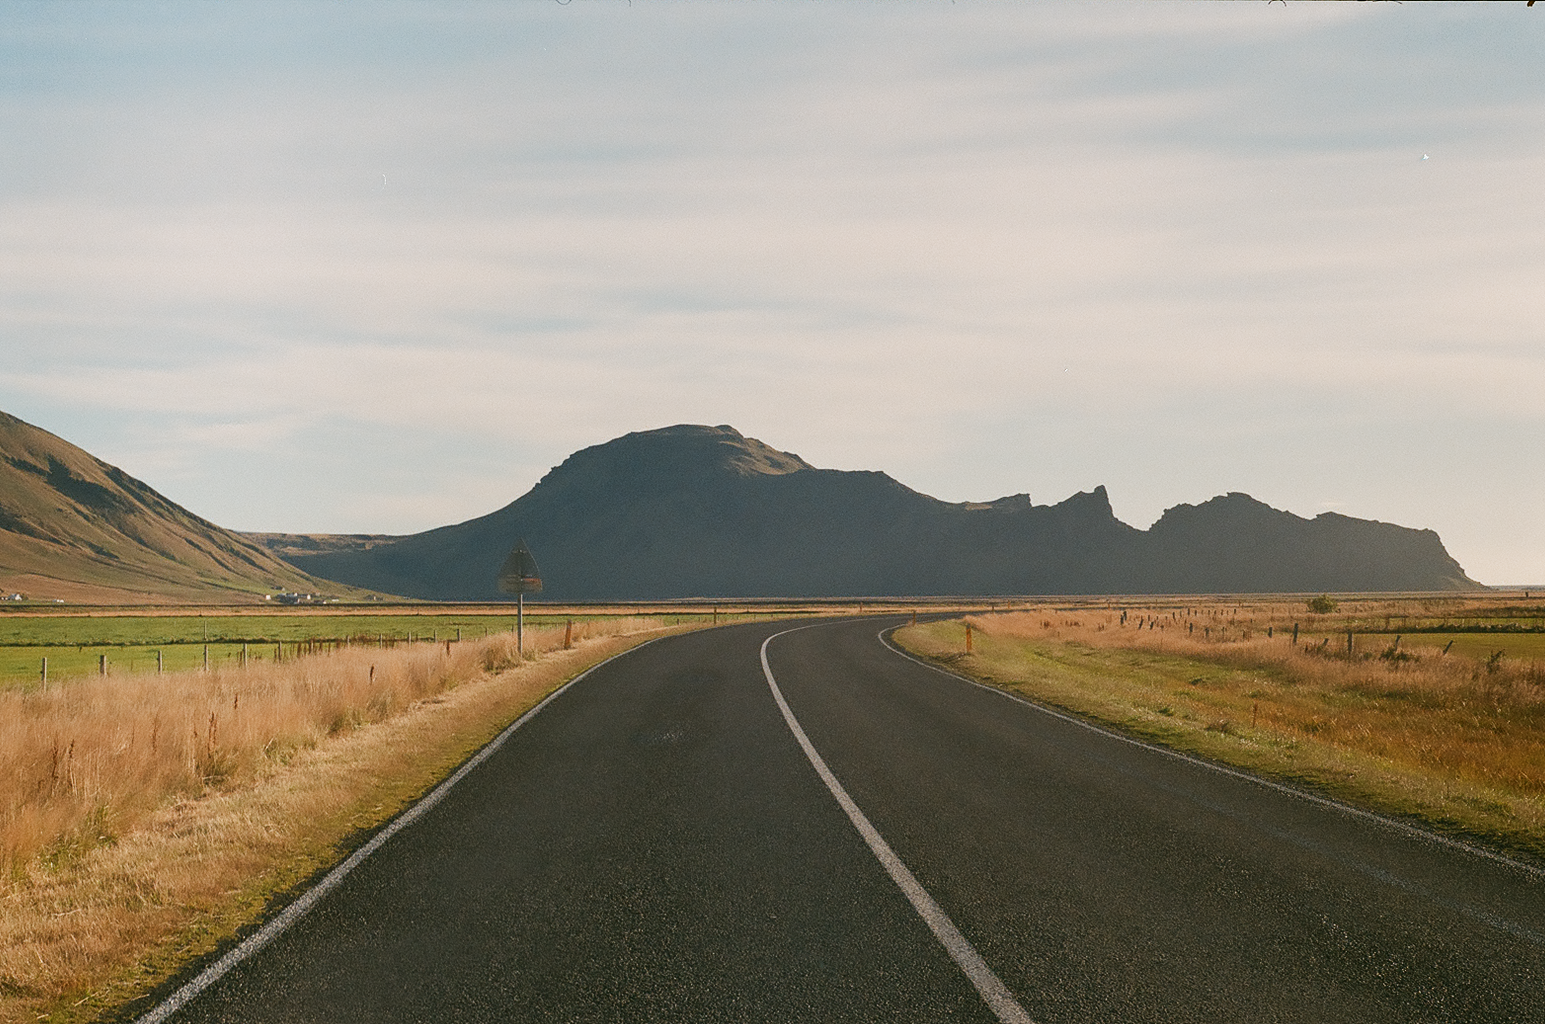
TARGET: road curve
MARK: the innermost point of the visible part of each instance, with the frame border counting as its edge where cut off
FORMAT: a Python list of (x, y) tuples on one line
[(656, 845)]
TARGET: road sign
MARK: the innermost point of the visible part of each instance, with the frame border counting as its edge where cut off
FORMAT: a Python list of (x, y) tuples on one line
[(520, 574)]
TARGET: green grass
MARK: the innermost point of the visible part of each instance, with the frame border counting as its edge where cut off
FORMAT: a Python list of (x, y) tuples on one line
[(73, 644), (65, 630), (22, 666), (1520, 646)]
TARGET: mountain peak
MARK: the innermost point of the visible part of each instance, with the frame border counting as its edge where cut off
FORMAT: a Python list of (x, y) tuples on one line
[(1095, 503), (682, 452)]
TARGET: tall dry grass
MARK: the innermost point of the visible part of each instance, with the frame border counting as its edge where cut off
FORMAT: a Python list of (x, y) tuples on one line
[(1458, 741), (81, 764)]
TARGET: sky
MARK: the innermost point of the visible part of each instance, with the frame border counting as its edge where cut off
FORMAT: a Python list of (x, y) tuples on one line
[(376, 268)]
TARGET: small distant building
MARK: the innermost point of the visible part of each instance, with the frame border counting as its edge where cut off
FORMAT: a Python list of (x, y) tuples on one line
[(15, 597)]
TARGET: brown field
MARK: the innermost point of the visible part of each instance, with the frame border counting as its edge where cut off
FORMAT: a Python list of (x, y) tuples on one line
[(1455, 740), (144, 819)]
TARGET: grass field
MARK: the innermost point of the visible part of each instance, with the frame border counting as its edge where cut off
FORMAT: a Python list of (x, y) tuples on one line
[(74, 642), (135, 644), (1408, 723), (290, 627)]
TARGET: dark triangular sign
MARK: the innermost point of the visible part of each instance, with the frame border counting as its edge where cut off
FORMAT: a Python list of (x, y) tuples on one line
[(520, 574)]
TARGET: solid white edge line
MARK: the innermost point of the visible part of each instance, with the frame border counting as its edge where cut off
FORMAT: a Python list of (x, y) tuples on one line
[(997, 996), (1281, 787), (295, 911)]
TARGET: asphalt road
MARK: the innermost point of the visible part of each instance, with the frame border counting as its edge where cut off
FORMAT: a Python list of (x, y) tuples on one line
[(655, 845)]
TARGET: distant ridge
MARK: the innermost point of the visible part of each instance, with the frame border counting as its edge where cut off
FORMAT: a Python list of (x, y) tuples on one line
[(704, 511), (73, 527)]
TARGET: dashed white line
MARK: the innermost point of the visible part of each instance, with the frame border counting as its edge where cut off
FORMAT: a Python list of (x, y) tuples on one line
[(993, 991)]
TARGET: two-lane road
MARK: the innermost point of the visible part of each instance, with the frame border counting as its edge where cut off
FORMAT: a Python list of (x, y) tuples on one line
[(656, 845)]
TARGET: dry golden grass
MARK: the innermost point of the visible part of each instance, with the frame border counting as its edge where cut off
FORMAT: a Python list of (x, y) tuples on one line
[(145, 819), (1451, 740)]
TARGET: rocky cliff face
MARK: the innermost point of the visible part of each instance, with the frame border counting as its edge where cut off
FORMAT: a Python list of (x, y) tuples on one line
[(703, 511)]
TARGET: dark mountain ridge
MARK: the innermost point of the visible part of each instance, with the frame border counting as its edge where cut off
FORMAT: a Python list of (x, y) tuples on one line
[(703, 511)]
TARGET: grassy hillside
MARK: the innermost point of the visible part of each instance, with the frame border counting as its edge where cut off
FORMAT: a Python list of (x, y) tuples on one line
[(73, 527)]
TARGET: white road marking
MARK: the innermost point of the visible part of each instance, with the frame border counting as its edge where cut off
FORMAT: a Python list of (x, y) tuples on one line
[(295, 911), (993, 991)]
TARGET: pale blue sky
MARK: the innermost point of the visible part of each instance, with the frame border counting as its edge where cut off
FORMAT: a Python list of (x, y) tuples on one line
[(1175, 248)]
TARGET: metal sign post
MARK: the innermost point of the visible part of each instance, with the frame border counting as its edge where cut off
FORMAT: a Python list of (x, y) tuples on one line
[(520, 576)]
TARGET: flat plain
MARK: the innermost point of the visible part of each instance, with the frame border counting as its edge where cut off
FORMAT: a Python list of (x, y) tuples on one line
[(139, 642)]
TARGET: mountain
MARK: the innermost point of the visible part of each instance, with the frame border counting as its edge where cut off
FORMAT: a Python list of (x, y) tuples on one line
[(1235, 544), (703, 511), (76, 528)]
